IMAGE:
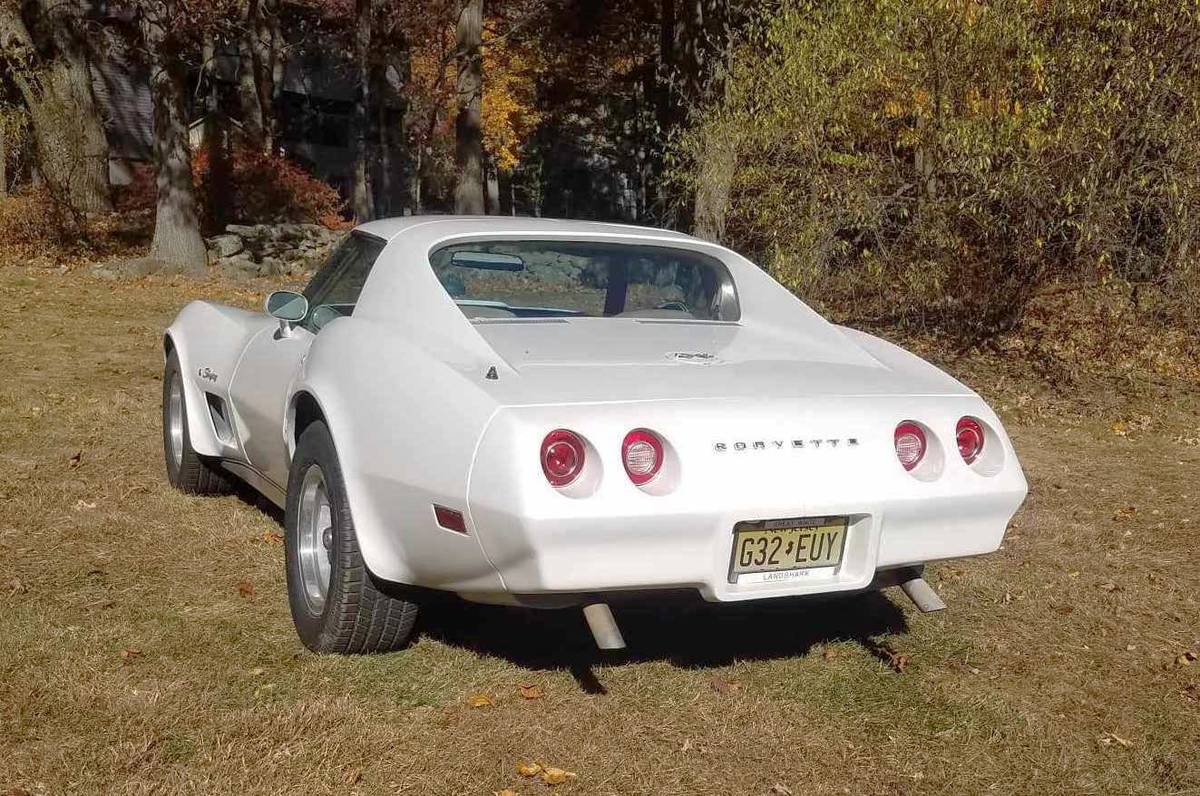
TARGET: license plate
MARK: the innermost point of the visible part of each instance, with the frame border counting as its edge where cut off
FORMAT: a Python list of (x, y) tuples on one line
[(786, 546)]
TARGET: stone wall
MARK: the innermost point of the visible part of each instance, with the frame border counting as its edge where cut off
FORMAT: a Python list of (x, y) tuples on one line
[(246, 251)]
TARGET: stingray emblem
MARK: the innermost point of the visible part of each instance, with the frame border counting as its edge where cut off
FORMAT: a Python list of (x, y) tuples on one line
[(694, 357), (207, 374)]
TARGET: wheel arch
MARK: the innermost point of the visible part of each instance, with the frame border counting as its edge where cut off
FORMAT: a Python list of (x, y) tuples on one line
[(304, 409)]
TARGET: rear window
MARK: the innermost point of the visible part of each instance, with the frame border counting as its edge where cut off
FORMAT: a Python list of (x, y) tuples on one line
[(545, 279)]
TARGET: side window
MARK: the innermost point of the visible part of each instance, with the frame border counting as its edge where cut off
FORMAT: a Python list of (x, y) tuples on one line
[(334, 290)]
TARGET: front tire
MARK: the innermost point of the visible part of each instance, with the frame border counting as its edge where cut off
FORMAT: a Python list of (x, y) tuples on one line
[(337, 607), (186, 470)]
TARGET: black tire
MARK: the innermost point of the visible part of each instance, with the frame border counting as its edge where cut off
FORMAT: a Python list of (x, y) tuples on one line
[(356, 617), (187, 470)]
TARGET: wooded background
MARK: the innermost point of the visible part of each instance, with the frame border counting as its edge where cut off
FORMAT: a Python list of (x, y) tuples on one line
[(936, 162)]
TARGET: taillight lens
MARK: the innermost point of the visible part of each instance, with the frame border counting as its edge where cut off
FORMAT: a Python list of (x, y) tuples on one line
[(562, 457), (910, 444), (642, 454), (970, 439)]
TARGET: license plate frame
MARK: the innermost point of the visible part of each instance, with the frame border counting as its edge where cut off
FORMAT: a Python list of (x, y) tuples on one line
[(795, 528)]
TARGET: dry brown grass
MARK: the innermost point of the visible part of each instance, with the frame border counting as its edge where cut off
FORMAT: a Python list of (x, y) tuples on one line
[(145, 644)]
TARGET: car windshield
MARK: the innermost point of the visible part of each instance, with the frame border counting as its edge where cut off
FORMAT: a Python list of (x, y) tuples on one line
[(541, 279)]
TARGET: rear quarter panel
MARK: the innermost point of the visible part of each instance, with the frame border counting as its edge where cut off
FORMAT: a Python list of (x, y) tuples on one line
[(406, 425)]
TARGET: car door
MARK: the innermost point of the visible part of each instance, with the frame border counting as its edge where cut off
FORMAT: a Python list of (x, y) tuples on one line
[(273, 358)]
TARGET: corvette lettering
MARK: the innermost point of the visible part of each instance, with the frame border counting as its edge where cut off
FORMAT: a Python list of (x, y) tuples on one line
[(780, 444)]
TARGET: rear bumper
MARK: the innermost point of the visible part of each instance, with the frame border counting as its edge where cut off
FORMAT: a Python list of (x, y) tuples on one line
[(693, 551), (618, 537)]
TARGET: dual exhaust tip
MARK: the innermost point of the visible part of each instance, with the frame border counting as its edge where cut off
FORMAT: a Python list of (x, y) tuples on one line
[(607, 633)]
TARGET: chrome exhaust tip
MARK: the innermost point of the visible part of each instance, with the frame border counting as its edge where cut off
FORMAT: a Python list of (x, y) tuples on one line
[(603, 626), (923, 595)]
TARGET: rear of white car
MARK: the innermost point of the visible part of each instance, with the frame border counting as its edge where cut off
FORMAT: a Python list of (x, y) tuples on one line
[(731, 473)]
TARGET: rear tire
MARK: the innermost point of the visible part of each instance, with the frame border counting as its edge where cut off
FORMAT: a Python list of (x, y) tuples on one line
[(187, 470), (337, 606)]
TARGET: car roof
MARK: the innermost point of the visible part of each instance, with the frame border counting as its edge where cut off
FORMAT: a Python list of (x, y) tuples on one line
[(388, 228)]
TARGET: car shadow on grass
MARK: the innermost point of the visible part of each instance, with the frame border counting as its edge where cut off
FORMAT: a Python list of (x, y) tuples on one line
[(688, 634), (676, 627)]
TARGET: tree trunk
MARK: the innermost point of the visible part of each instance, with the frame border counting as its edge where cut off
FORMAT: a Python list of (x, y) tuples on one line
[(492, 182), (215, 146), (71, 146), (177, 237), (253, 121), (363, 205), (717, 162), (468, 126), (267, 40), (3, 159)]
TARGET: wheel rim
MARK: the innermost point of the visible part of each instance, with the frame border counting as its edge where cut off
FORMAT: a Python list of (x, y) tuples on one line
[(175, 420), (315, 539)]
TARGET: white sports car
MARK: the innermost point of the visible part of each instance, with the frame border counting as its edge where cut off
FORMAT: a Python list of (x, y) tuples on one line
[(557, 413)]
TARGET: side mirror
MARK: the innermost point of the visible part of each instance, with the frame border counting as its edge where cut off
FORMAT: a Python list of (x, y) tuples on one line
[(288, 307)]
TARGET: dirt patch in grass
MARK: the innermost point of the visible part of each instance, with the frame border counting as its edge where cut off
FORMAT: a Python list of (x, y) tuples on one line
[(145, 643)]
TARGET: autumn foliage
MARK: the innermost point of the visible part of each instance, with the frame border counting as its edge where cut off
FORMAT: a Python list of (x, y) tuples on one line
[(266, 188), (943, 163)]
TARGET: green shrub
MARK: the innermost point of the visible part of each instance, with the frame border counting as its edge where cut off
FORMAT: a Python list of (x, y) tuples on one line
[(937, 162)]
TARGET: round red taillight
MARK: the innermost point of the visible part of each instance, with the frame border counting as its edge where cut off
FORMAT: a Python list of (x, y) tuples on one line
[(562, 457), (642, 454), (970, 439), (910, 444)]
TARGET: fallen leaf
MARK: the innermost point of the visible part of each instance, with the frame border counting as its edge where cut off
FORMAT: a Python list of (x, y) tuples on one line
[(898, 661), (781, 790), (1111, 738), (829, 653), (76, 459), (245, 588), (83, 505), (1120, 428), (1185, 659), (480, 701), (256, 671), (15, 586), (1124, 512), (528, 769), (352, 776), (530, 691), (556, 776), (270, 537), (723, 686), (505, 792), (1110, 587), (687, 745), (129, 654)]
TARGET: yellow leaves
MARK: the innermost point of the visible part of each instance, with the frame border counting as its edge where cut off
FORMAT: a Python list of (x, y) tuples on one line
[(530, 691), (1112, 739), (1125, 513), (528, 769), (548, 774), (509, 111), (480, 701), (723, 686), (556, 776)]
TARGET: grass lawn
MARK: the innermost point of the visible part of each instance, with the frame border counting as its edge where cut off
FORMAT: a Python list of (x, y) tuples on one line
[(145, 642)]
